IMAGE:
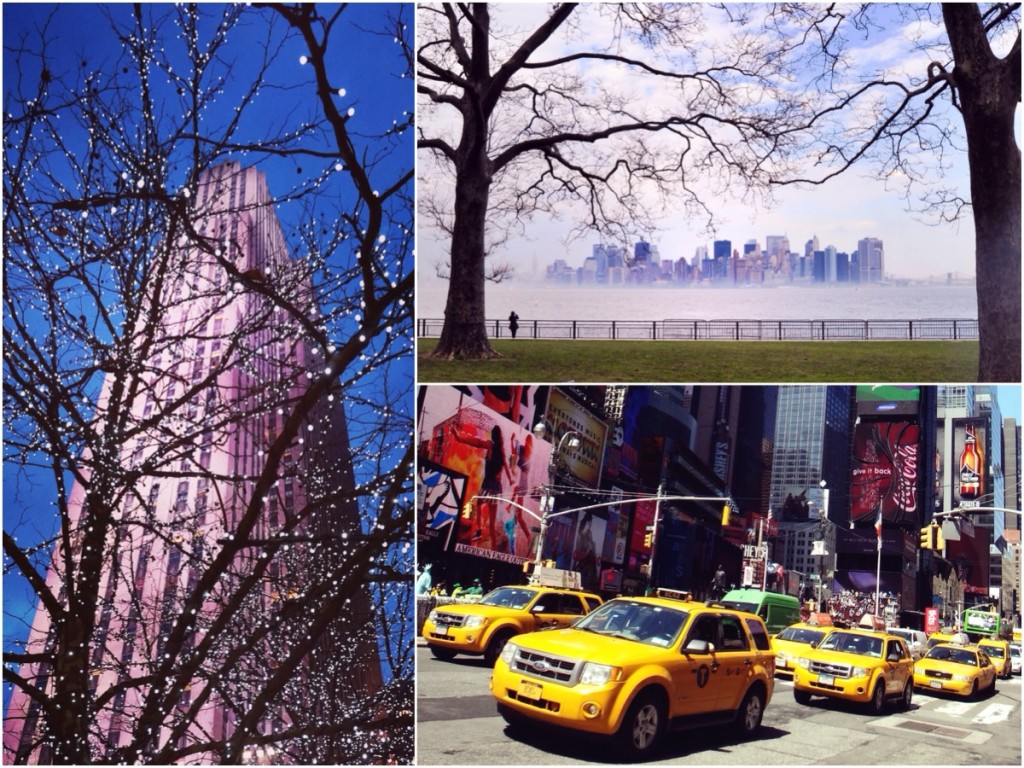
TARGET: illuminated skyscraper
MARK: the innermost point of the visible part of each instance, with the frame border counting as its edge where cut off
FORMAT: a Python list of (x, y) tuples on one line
[(218, 617)]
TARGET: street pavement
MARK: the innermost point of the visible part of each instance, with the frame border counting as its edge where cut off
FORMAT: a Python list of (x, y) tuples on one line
[(457, 724)]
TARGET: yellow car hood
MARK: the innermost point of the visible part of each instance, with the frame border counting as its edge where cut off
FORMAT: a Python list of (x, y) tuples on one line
[(590, 646)]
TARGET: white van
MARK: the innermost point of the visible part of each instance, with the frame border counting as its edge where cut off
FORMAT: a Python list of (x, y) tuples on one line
[(917, 641)]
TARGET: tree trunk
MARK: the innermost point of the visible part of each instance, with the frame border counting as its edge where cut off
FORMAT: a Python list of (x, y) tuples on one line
[(464, 334), (989, 91)]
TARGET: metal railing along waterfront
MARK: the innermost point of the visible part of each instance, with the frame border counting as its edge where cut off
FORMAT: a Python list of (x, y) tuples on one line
[(940, 329)]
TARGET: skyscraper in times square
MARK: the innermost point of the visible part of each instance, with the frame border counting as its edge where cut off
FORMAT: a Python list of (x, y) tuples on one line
[(256, 620)]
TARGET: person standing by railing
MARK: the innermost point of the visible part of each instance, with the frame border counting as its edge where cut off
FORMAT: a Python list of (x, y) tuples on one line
[(513, 322)]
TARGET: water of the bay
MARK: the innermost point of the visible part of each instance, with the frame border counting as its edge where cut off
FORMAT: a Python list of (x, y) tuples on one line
[(544, 301)]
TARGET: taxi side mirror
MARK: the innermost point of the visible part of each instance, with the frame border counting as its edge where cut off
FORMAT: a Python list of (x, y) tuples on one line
[(699, 646), (894, 656), (539, 608)]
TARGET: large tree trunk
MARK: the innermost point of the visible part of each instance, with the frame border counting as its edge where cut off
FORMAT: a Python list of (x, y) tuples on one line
[(464, 334), (989, 91)]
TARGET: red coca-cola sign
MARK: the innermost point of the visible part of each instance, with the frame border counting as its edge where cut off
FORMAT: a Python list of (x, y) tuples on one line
[(886, 471)]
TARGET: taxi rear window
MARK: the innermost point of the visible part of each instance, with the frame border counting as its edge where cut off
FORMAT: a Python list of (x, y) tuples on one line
[(760, 635)]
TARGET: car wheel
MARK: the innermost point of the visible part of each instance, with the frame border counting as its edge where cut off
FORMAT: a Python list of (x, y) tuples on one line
[(908, 696), (444, 654), (801, 697), (974, 689), (641, 728), (750, 713), (877, 703), (496, 646)]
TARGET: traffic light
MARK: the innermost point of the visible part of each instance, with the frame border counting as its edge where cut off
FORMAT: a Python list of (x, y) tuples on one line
[(648, 538), (467, 510), (931, 537), (725, 515)]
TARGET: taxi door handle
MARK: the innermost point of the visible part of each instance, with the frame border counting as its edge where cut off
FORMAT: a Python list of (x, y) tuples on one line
[(714, 666)]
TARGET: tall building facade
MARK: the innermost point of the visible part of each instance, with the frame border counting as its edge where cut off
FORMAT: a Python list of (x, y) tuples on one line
[(870, 260), (206, 593)]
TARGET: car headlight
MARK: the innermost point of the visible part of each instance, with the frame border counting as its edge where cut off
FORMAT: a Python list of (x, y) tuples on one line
[(802, 661), (509, 652), (474, 622), (859, 672), (962, 678), (598, 674), (432, 616)]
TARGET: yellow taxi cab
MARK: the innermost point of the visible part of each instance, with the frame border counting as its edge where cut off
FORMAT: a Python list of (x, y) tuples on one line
[(793, 641), (483, 628), (638, 667), (999, 652), (965, 670), (866, 666)]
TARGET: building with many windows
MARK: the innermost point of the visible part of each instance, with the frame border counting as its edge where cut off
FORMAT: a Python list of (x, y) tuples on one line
[(220, 380)]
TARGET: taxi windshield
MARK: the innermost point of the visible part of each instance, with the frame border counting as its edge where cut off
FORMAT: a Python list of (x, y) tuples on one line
[(640, 622), (508, 597), (800, 635), (848, 642), (955, 655)]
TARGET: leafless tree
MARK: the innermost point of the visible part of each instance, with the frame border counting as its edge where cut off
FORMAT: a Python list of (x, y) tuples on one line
[(265, 609), (722, 98), (957, 90)]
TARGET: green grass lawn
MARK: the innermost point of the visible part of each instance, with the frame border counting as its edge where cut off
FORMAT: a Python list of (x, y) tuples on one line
[(529, 360)]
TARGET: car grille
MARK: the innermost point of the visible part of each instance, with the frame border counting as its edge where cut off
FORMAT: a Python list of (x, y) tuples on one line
[(825, 668), (937, 675), (546, 667), (451, 619)]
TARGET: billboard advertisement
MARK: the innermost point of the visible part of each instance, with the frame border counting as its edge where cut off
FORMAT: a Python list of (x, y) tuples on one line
[(885, 474), (888, 400), (969, 476), (489, 455), (565, 415), (517, 403)]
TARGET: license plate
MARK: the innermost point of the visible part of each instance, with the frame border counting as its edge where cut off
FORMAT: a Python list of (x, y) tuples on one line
[(530, 691), (935, 684), (443, 630), (827, 679)]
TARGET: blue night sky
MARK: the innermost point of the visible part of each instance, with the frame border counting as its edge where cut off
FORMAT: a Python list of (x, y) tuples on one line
[(369, 70)]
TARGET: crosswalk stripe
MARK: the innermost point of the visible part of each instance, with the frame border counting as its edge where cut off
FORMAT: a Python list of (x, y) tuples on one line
[(993, 713)]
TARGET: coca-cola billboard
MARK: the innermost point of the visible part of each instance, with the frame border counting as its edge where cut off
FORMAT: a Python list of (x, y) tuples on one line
[(886, 472)]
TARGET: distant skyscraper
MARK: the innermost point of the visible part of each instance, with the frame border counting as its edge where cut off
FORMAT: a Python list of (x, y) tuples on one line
[(258, 362), (871, 260)]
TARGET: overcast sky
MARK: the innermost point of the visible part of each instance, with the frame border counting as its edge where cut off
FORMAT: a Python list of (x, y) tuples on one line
[(845, 210)]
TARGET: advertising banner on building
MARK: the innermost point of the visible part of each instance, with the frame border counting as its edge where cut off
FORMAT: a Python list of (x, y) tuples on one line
[(970, 559), (888, 400), (498, 459), (643, 516), (615, 538), (565, 415), (519, 403), (886, 472), (971, 482), (440, 494)]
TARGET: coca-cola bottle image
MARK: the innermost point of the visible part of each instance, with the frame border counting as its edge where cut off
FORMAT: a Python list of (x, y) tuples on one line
[(970, 466)]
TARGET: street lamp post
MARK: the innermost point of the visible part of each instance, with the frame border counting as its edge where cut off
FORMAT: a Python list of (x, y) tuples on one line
[(572, 441)]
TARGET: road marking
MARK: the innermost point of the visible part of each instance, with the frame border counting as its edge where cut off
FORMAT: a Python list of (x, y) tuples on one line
[(992, 714), (955, 708)]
